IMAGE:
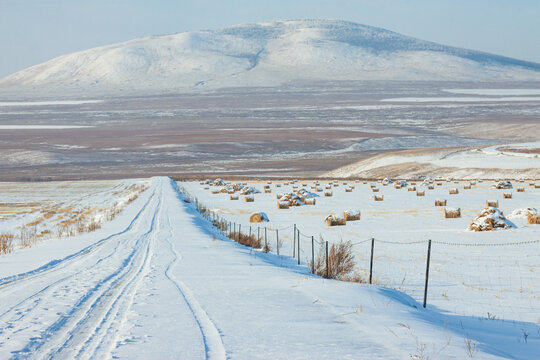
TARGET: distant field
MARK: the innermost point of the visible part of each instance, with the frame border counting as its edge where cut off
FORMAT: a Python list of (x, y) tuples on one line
[(300, 129)]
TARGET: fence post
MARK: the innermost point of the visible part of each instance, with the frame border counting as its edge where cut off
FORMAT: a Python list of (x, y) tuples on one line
[(234, 232), (258, 235), (277, 241), (294, 242), (371, 261), (265, 241), (327, 259), (239, 231), (298, 239), (312, 255), (427, 272), (250, 240)]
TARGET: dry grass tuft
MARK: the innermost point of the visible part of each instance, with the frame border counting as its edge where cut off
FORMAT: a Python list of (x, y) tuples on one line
[(420, 193), (520, 189), (453, 191), (378, 198), (507, 195), (341, 262), (492, 203)]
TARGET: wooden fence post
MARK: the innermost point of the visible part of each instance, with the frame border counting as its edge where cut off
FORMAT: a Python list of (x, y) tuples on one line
[(294, 242), (277, 241), (427, 272), (298, 239), (371, 261), (312, 255), (327, 259), (265, 241)]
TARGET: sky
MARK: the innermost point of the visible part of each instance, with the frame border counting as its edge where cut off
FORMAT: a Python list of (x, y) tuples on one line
[(34, 31)]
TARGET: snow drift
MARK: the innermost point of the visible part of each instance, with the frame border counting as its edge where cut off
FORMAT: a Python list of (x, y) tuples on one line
[(266, 54)]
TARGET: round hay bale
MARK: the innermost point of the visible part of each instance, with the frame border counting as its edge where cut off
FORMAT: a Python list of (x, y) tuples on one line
[(258, 217)]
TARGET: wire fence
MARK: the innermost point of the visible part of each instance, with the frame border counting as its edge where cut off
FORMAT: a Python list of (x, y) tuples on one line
[(485, 280)]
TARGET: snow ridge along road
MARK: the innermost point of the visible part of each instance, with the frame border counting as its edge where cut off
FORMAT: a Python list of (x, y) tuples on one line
[(166, 285)]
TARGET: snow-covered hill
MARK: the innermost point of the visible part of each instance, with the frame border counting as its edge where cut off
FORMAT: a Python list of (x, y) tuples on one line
[(266, 54)]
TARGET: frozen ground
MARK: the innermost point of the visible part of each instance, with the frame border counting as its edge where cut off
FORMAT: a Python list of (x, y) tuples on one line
[(159, 282), (479, 274), (302, 129)]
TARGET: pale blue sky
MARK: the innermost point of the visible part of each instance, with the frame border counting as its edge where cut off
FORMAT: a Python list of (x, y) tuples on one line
[(33, 31)]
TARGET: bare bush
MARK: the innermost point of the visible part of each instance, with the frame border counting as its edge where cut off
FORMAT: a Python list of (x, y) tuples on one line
[(6, 243), (341, 262)]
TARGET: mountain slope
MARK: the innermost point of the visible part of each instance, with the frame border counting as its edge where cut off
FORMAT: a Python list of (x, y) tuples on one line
[(266, 54)]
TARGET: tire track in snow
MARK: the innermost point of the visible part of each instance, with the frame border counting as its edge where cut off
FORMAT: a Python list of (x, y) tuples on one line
[(214, 348), (29, 278), (90, 324), (98, 291)]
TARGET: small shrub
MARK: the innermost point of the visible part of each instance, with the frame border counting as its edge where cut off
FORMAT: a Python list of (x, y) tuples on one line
[(6, 243), (341, 261), (533, 219)]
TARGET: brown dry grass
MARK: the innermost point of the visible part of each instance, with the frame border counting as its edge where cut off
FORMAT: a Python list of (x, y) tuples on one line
[(507, 195), (453, 191), (492, 203), (520, 189), (420, 193), (6, 243), (378, 198), (341, 262)]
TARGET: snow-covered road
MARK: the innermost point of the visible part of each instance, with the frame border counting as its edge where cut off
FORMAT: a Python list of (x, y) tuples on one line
[(165, 284)]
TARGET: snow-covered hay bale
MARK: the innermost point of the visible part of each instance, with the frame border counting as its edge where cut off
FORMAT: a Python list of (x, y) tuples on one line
[(283, 205), (249, 198), (490, 219), (492, 203), (378, 198), (507, 195), (523, 213), (453, 191), (503, 184), (439, 202), (258, 217), (420, 193), (335, 220), (533, 219), (351, 215), (233, 197), (520, 189), (386, 181), (328, 193), (309, 201), (452, 213)]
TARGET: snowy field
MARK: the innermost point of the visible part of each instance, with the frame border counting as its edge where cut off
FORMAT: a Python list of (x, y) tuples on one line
[(35, 212), (481, 274), (159, 281)]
